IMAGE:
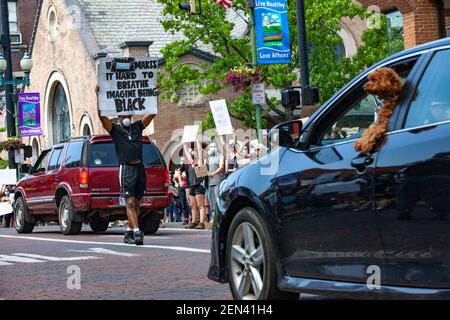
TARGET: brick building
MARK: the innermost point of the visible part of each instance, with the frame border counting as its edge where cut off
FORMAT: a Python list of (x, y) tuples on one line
[(71, 36), (423, 20)]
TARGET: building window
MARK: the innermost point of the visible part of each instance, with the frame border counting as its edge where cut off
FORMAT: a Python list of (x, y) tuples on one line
[(395, 31), (52, 23), (60, 115), (13, 20)]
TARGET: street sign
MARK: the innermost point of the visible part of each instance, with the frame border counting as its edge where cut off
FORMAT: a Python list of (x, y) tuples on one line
[(221, 117), (8, 177), (258, 93), (29, 111), (128, 86), (272, 32)]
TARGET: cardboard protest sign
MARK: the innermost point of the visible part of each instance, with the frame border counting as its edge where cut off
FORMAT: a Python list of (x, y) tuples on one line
[(128, 86), (201, 171), (221, 117), (5, 208), (190, 133), (8, 177)]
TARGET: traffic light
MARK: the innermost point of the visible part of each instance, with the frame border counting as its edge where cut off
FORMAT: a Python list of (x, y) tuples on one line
[(189, 6)]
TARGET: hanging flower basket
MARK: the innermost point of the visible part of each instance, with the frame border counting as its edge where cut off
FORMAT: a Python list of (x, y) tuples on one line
[(242, 78), (11, 144)]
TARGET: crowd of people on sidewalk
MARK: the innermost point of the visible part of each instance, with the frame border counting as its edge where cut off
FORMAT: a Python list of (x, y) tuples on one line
[(194, 198)]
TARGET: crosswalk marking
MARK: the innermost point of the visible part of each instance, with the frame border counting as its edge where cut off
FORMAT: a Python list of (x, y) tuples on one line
[(7, 260), (49, 258), (105, 251)]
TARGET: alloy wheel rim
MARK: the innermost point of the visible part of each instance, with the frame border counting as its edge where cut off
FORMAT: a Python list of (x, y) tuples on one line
[(247, 262), (19, 214), (64, 216)]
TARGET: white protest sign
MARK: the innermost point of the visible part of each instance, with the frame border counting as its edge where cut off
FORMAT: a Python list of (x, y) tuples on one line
[(128, 86), (221, 117), (258, 93), (8, 177), (190, 133), (5, 208)]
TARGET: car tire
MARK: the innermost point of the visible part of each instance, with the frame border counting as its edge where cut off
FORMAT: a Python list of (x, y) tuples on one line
[(66, 214), (20, 214), (150, 223), (248, 233), (99, 225)]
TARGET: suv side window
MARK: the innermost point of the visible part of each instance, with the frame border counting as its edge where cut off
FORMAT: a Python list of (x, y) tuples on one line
[(360, 112), (432, 100), (74, 153), (54, 162), (41, 163)]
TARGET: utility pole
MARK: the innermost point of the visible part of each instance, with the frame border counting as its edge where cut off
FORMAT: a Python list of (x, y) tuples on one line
[(10, 110), (251, 8), (302, 44)]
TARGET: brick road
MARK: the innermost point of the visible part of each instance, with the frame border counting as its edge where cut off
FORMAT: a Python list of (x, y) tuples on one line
[(155, 271)]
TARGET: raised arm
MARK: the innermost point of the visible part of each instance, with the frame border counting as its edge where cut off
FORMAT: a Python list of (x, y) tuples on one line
[(147, 120), (106, 122), (187, 153)]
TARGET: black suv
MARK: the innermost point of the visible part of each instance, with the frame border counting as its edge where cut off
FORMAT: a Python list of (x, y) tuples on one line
[(318, 217)]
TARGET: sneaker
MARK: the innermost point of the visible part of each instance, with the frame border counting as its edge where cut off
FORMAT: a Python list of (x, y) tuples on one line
[(191, 225), (129, 237), (200, 226), (139, 238)]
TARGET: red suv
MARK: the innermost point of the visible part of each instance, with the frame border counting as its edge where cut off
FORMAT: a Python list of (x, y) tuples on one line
[(78, 181)]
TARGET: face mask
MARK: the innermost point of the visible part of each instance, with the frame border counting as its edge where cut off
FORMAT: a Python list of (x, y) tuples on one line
[(6, 193), (126, 122), (212, 152)]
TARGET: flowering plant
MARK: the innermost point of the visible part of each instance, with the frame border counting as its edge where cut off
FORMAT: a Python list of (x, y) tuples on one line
[(242, 78), (11, 144)]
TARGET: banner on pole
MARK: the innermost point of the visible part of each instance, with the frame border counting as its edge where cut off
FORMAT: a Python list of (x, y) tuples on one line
[(128, 86), (29, 110), (221, 117), (272, 32)]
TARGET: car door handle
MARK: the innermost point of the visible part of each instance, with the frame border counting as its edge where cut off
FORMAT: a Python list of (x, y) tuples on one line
[(361, 163)]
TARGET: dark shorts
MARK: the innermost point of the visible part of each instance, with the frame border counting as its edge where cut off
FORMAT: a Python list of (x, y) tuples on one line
[(132, 181), (197, 190)]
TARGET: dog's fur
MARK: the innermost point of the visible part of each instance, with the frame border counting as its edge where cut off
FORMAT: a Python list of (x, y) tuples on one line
[(386, 85)]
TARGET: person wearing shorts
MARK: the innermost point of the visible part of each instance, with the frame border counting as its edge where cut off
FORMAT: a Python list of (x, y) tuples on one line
[(127, 138)]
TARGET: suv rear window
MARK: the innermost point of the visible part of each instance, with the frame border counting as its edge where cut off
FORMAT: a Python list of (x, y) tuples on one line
[(104, 155)]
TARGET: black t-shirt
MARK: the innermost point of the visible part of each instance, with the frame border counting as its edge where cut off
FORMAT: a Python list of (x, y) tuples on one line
[(128, 141)]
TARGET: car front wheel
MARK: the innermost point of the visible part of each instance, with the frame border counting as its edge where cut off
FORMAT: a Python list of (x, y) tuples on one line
[(67, 214), (250, 259), (20, 213)]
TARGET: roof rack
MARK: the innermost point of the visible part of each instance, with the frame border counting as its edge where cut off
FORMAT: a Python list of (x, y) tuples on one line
[(75, 138)]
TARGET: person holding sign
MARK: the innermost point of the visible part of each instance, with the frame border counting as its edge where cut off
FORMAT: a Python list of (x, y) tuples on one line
[(127, 138), (197, 189)]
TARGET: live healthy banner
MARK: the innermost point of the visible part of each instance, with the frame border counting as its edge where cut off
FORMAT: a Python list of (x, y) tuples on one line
[(128, 86), (29, 114), (272, 32)]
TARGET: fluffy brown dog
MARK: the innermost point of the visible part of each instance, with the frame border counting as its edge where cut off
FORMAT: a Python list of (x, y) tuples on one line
[(385, 84)]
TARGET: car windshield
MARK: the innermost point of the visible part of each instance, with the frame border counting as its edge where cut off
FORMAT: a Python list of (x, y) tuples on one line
[(104, 155)]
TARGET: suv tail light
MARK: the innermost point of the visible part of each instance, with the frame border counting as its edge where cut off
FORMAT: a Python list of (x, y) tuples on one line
[(166, 178), (84, 178)]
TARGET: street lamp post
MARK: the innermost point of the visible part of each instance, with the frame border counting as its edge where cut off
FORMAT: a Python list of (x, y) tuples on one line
[(10, 83)]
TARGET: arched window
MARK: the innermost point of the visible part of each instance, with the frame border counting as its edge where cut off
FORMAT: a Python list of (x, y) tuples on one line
[(60, 114)]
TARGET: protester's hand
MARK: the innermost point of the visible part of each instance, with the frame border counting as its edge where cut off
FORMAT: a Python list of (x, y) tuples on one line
[(97, 89)]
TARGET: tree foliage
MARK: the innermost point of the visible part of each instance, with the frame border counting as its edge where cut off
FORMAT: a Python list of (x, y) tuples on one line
[(328, 70)]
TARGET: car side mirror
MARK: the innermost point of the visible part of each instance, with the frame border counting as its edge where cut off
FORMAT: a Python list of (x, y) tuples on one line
[(26, 169), (285, 134)]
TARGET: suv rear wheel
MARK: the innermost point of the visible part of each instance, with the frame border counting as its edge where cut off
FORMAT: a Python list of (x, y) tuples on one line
[(150, 223), (20, 214), (99, 225), (250, 259), (66, 215)]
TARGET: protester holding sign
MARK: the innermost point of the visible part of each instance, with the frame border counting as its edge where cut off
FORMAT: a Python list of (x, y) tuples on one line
[(197, 189), (127, 138)]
